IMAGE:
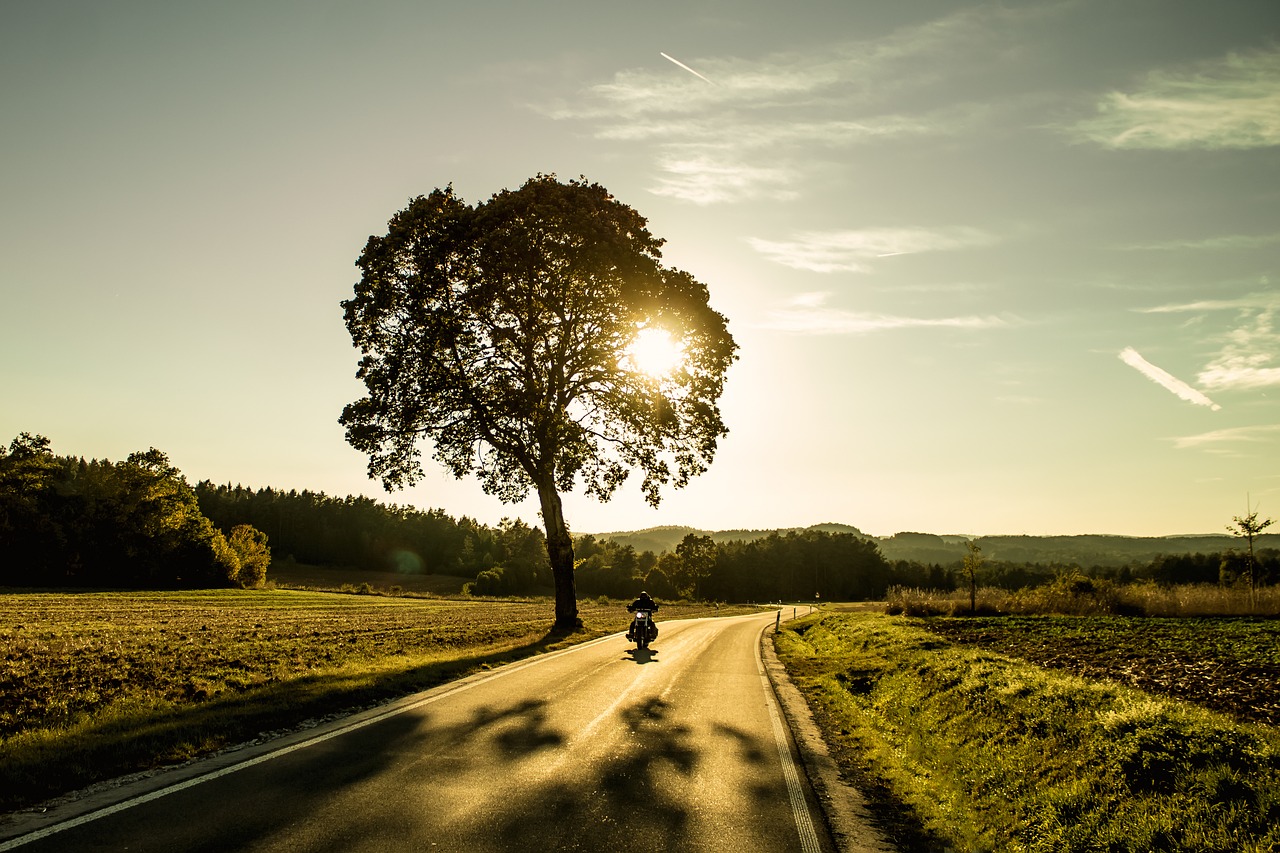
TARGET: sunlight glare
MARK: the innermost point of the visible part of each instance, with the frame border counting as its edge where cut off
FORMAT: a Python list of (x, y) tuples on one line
[(653, 352)]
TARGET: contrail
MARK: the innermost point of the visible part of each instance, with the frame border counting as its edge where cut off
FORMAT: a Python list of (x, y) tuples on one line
[(1131, 357), (685, 67)]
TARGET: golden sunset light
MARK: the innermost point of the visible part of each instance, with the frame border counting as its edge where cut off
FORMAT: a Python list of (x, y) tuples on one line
[(1041, 224), (690, 425), (654, 353)]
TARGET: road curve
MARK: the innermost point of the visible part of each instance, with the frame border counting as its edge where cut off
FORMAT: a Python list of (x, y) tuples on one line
[(597, 747)]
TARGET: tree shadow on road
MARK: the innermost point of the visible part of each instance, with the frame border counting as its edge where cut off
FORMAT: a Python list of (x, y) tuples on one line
[(391, 785), (634, 797), (152, 737), (326, 795)]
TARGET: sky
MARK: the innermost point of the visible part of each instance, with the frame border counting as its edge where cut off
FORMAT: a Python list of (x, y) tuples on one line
[(994, 268)]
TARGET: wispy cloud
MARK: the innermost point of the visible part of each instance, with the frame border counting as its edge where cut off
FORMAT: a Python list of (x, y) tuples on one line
[(1236, 435), (809, 314), (722, 142), (706, 161), (1249, 353), (1229, 103), (710, 133), (1253, 300), (1226, 242), (1250, 359), (1134, 359), (852, 251), (706, 180)]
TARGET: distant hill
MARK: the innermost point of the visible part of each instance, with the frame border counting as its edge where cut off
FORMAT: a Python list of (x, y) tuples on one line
[(1084, 550), (655, 539), (1095, 550), (923, 547), (659, 539)]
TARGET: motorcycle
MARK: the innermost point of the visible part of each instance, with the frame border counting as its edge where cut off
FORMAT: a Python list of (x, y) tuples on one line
[(643, 631)]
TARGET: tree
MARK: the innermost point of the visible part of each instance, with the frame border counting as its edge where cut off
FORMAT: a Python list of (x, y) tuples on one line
[(658, 582), (31, 536), (697, 558), (973, 561), (250, 547), (502, 335), (134, 523), (1250, 526)]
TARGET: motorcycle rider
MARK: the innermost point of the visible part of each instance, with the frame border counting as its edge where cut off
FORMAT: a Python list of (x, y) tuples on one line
[(644, 602)]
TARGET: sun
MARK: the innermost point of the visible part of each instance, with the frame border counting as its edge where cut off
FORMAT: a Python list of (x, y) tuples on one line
[(654, 353)]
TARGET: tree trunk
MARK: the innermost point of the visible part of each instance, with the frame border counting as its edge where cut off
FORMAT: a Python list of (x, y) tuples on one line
[(560, 555)]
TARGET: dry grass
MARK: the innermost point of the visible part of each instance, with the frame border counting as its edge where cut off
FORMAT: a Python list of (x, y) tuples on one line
[(1079, 596)]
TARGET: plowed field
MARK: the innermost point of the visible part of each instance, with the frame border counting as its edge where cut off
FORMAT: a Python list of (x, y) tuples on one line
[(1230, 665)]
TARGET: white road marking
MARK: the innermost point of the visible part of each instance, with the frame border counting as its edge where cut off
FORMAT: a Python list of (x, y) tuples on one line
[(799, 808)]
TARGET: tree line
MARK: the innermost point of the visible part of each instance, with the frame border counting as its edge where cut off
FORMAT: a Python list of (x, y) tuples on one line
[(807, 565), (68, 521), (511, 559), (1227, 568)]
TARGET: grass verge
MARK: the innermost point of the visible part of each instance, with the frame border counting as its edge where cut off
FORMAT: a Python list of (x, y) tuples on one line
[(97, 685), (983, 752)]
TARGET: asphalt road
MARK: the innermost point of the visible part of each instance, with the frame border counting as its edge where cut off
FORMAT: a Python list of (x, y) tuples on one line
[(598, 747)]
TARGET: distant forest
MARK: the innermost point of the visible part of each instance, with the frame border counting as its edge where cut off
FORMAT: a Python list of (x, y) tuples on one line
[(360, 533), (65, 521), (1099, 552)]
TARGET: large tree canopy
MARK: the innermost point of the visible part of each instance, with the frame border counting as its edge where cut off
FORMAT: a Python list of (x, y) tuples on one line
[(504, 336)]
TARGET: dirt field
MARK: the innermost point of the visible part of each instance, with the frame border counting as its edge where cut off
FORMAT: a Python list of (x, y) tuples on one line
[(1230, 665)]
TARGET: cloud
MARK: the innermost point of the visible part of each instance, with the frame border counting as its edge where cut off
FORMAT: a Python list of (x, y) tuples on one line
[(1249, 434), (1241, 373), (1250, 359), (808, 314), (1249, 354), (704, 180), (1253, 300), (1131, 357), (1228, 103), (1229, 242), (852, 251), (722, 143), (745, 136)]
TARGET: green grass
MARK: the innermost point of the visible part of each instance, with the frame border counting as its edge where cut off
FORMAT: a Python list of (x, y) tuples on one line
[(286, 575), (984, 752), (95, 685)]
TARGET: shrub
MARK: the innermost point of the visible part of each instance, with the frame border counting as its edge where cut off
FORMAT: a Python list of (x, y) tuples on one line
[(905, 601), (250, 547)]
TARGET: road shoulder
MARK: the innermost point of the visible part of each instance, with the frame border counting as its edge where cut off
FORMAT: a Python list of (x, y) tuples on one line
[(844, 806)]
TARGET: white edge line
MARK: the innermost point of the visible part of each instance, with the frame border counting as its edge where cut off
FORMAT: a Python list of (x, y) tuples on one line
[(799, 808)]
